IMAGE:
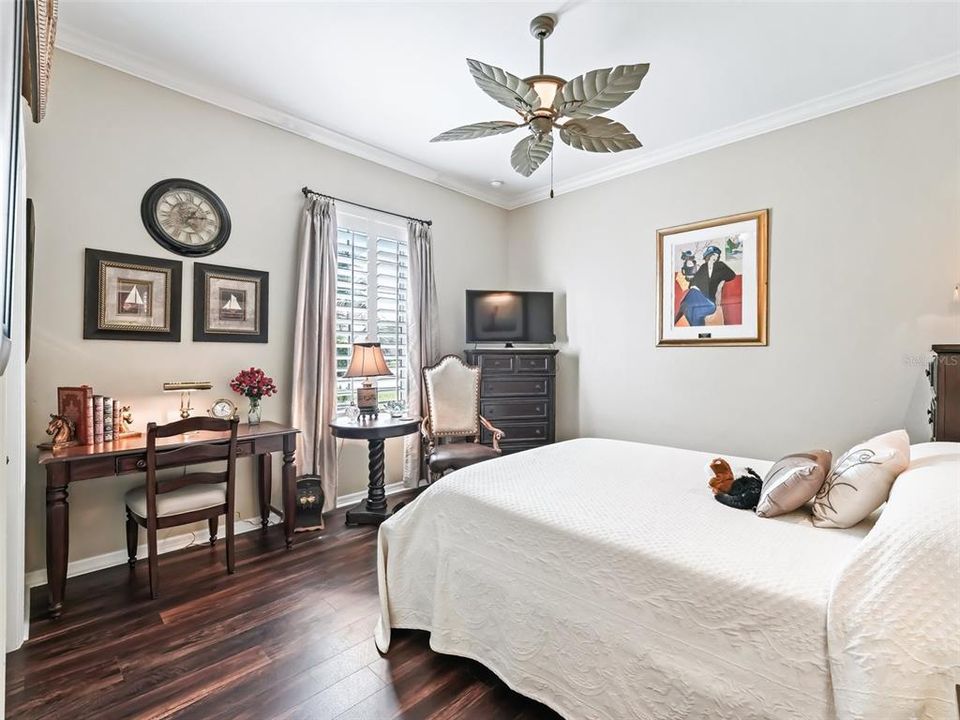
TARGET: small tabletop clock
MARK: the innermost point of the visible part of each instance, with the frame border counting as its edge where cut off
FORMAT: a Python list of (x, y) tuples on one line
[(185, 217), (223, 409)]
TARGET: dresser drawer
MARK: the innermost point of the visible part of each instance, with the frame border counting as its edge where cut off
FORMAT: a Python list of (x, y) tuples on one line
[(535, 363), (497, 363), (494, 410), (520, 447), (515, 387), (519, 433)]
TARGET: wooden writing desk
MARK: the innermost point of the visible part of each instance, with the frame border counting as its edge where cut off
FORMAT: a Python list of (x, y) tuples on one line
[(84, 462)]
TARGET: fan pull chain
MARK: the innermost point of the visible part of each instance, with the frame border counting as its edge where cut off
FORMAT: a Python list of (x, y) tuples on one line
[(552, 155)]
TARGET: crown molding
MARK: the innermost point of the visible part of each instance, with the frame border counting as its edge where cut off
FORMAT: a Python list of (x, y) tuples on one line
[(131, 63), (917, 76)]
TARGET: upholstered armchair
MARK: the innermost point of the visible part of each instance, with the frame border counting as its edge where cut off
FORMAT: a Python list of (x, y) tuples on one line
[(452, 423)]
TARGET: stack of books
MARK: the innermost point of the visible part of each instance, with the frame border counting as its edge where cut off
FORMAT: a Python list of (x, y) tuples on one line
[(96, 417)]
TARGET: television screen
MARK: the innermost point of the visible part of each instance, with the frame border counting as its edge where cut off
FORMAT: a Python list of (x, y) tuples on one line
[(509, 316)]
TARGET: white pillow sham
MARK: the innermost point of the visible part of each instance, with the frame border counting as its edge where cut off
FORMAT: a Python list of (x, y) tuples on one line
[(861, 480)]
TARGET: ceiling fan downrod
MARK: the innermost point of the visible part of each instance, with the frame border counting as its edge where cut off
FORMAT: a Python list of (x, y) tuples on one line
[(541, 27)]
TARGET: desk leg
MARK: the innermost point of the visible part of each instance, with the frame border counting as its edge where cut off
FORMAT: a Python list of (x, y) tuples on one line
[(265, 483), (372, 510), (58, 535), (289, 487)]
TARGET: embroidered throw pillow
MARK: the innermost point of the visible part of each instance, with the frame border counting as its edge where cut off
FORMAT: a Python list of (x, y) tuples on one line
[(793, 481), (861, 480)]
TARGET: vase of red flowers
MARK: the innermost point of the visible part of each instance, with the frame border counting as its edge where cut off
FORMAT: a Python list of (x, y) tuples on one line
[(254, 384)]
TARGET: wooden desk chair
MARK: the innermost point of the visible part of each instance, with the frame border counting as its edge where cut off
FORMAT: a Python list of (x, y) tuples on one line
[(452, 388), (187, 499)]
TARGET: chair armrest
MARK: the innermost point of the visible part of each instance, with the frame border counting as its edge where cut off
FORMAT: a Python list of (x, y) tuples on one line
[(497, 433), (427, 435)]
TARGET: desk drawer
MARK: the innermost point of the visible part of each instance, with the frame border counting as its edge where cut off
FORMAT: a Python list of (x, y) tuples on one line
[(185, 456), (494, 410), (515, 387), (131, 463)]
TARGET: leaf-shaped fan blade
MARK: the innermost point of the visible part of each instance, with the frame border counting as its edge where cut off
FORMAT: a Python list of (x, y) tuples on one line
[(477, 130), (598, 134), (503, 87), (530, 153), (598, 90)]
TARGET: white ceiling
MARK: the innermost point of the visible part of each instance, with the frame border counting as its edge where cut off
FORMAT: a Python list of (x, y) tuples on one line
[(380, 79)]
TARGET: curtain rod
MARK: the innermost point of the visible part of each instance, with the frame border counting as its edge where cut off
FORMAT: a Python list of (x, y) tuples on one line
[(307, 191)]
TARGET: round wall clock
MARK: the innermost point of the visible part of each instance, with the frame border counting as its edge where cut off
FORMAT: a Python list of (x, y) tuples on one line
[(185, 217)]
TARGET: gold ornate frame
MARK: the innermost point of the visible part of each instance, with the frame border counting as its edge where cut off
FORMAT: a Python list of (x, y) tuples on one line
[(40, 30), (165, 273), (762, 218)]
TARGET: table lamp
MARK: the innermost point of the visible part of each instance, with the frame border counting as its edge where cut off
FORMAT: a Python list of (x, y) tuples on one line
[(366, 362), (185, 388)]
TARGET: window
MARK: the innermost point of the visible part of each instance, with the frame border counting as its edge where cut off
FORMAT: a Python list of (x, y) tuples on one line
[(372, 271)]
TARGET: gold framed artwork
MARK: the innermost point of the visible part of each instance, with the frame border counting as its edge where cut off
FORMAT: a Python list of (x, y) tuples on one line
[(230, 304), (712, 282), (131, 297)]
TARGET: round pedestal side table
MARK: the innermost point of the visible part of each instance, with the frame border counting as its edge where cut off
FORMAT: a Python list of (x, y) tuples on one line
[(373, 509)]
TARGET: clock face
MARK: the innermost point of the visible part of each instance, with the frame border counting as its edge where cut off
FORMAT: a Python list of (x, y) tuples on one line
[(185, 217), (223, 409)]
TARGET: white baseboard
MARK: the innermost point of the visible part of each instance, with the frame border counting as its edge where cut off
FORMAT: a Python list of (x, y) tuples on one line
[(164, 545), (178, 542), (356, 497)]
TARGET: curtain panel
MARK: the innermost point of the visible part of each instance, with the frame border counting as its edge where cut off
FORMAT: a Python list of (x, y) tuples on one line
[(423, 341), (314, 402)]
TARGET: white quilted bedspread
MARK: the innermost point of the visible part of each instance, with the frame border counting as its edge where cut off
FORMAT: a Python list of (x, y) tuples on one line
[(602, 578), (894, 616)]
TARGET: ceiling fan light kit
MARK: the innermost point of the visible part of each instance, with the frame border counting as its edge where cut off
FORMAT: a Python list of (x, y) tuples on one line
[(543, 100)]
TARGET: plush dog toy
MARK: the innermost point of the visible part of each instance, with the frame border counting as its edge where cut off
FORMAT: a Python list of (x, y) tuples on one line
[(741, 492), (744, 494), (721, 475)]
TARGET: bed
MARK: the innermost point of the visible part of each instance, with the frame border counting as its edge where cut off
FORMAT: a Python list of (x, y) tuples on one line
[(601, 578)]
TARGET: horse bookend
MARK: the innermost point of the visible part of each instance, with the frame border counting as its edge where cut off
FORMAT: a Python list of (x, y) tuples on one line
[(63, 432)]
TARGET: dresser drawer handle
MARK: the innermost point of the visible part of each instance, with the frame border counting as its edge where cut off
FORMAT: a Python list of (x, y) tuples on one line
[(539, 431), (141, 464), (538, 410), (537, 387)]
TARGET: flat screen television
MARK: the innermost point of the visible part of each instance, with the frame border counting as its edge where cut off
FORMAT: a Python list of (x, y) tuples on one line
[(507, 316)]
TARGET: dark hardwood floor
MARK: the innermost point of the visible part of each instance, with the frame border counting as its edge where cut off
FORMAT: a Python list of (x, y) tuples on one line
[(290, 635)]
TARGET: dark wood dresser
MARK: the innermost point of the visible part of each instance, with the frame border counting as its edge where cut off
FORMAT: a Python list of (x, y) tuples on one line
[(518, 395), (944, 374)]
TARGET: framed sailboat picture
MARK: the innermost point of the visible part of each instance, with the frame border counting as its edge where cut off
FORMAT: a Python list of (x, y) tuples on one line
[(229, 304), (131, 297)]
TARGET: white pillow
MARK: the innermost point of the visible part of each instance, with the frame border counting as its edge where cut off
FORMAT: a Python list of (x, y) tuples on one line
[(861, 480)]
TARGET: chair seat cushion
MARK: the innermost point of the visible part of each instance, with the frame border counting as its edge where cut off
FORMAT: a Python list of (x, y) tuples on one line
[(186, 499), (454, 456)]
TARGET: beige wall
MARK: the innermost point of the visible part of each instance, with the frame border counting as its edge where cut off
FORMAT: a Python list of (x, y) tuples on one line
[(106, 139), (864, 255), (865, 250)]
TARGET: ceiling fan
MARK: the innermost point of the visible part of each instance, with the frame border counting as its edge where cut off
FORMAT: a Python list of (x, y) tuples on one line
[(543, 100)]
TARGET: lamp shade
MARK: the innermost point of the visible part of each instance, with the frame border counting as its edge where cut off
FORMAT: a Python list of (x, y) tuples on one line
[(367, 361)]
